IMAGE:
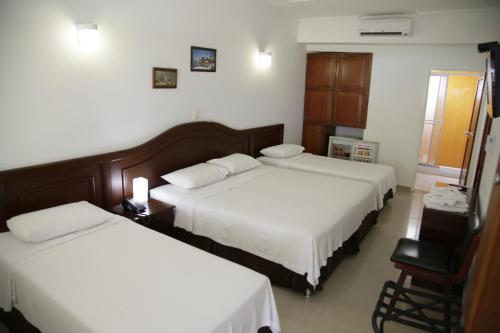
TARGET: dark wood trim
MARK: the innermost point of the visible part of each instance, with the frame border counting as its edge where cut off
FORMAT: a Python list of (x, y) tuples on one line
[(480, 161), (474, 120), (105, 179), (16, 323), (482, 310)]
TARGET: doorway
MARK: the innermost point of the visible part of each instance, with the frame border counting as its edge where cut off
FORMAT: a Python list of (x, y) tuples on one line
[(453, 101)]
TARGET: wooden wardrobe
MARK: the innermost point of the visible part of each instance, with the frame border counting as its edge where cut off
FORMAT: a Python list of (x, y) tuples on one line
[(337, 91)]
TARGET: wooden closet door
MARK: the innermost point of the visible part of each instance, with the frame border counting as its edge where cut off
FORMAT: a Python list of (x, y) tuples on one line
[(352, 88), (320, 85), (349, 109), (318, 106), (321, 70)]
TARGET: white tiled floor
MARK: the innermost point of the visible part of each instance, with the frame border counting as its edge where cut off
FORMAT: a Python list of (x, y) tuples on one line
[(349, 296)]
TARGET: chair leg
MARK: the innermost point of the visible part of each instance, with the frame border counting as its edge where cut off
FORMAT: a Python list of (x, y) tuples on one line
[(448, 290), (397, 290)]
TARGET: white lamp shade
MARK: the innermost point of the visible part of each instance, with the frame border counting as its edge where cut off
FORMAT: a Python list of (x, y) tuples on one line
[(140, 189), (87, 35), (265, 59)]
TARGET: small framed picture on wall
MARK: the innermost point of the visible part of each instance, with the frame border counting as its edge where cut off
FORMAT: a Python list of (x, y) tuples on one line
[(164, 78), (203, 59)]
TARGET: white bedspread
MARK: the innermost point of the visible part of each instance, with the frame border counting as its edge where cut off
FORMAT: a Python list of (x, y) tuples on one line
[(126, 278), (382, 177), (296, 219)]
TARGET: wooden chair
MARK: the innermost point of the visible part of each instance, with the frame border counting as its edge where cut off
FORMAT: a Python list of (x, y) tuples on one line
[(436, 263)]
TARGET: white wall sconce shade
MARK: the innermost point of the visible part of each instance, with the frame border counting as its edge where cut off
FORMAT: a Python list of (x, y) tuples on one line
[(140, 189), (265, 59), (87, 35)]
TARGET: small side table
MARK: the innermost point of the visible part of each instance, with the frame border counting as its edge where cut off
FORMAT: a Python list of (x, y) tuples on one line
[(158, 216)]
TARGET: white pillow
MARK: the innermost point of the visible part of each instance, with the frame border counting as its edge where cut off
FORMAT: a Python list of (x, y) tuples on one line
[(196, 176), (281, 151), (236, 163), (50, 223)]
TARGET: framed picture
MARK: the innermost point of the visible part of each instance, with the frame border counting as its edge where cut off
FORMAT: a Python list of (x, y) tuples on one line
[(164, 77), (203, 59)]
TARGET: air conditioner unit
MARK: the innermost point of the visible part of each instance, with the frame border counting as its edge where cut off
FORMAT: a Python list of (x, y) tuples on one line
[(384, 27)]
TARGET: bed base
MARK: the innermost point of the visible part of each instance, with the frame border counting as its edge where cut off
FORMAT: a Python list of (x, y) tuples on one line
[(388, 195), (278, 274), (16, 323)]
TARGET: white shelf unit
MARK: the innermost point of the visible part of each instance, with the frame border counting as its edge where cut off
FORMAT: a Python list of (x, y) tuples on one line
[(366, 151), (353, 149)]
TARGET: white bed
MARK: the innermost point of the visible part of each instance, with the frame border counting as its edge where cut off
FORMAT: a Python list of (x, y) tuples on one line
[(121, 277), (382, 177), (296, 219)]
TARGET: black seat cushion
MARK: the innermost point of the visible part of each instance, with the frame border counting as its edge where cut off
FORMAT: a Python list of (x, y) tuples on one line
[(426, 255)]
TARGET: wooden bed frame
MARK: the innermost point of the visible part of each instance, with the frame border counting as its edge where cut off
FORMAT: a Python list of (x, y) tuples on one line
[(105, 180)]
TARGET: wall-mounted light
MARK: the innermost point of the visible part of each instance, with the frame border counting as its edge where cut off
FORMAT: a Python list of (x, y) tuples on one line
[(140, 189), (265, 59), (87, 35)]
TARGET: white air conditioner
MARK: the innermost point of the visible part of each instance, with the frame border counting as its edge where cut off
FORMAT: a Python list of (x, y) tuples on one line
[(384, 27)]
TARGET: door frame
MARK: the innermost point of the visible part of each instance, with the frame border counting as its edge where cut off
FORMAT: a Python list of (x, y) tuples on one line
[(474, 72), (479, 103)]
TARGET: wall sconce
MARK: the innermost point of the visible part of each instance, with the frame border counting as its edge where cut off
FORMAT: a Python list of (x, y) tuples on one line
[(87, 35), (265, 59), (140, 189)]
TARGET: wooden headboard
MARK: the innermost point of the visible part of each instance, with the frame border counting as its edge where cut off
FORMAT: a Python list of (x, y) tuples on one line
[(182, 146), (33, 188), (106, 179)]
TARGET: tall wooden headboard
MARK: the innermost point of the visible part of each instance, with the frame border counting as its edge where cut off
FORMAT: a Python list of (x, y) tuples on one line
[(33, 188), (106, 179), (182, 146)]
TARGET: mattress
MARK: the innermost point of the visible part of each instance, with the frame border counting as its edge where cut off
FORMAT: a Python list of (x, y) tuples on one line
[(122, 277), (296, 219), (382, 177)]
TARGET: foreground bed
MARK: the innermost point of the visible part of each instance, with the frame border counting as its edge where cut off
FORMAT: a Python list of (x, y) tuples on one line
[(294, 219), (121, 277), (382, 177)]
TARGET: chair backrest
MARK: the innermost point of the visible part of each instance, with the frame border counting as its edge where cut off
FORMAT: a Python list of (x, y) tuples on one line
[(468, 245)]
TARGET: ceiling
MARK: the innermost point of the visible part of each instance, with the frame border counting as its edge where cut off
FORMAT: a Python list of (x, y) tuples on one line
[(325, 8)]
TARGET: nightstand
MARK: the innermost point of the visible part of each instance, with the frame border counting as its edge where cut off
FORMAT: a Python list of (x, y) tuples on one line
[(159, 216), (443, 227)]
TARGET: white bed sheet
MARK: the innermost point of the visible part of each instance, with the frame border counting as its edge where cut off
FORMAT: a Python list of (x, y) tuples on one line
[(126, 278), (382, 177), (296, 219)]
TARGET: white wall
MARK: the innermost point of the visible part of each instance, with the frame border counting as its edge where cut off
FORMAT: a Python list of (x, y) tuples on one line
[(445, 27), (399, 80), (57, 102)]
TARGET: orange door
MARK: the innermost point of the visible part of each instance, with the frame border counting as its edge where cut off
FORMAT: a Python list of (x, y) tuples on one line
[(460, 97)]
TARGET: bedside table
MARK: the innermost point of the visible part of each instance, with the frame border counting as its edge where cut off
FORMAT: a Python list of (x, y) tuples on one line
[(158, 216)]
